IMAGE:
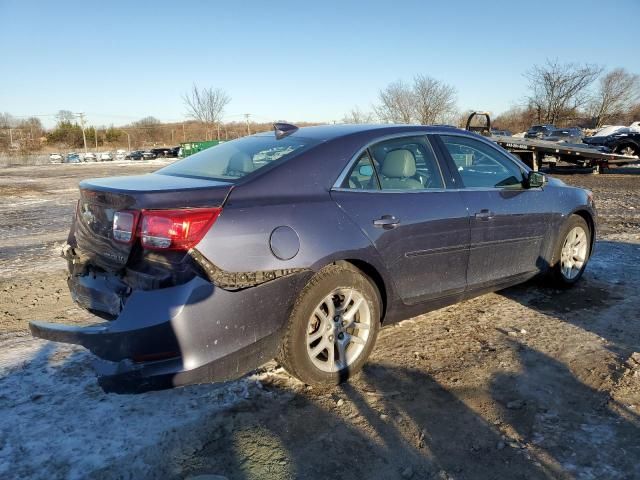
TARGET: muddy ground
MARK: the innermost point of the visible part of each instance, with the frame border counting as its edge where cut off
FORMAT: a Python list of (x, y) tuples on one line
[(529, 382)]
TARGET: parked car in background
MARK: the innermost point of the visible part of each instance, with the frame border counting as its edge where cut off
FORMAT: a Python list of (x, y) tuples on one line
[(625, 141), (135, 155), (89, 157), (539, 131), (217, 263), (148, 155), (121, 154), (165, 152), (568, 135), (106, 157), (56, 158), (72, 158), (501, 133)]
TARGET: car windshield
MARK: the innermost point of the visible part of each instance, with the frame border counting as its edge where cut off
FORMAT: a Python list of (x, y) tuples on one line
[(235, 159)]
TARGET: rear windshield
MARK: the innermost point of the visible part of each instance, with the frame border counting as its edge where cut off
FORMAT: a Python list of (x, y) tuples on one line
[(237, 158)]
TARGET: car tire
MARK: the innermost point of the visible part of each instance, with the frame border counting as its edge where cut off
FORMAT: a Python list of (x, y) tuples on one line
[(571, 253), (318, 346), (628, 149)]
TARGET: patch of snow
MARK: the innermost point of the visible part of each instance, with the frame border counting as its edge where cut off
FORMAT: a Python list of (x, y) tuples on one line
[(56, 422)]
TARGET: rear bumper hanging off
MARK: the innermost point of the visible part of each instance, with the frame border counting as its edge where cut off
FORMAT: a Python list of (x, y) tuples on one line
[(190, 333)]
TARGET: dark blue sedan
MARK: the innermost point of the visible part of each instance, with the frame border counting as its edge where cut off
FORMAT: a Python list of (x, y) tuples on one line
[(300, 243)]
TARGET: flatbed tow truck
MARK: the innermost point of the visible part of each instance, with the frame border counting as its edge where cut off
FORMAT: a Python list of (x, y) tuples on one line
[(536, 152)]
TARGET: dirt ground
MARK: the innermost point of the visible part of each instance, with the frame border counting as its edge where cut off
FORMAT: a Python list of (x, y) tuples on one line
[(528, 382)]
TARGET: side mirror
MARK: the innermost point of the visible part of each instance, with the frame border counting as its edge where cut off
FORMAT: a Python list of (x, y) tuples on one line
[(535, 180), (365, 170)]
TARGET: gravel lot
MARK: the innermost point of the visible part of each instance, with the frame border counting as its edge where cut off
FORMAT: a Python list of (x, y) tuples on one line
[(529, 382)]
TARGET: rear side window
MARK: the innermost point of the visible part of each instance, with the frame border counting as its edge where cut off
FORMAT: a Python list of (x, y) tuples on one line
[(235, 159), (480, 165), (362, 176), (405, 163)]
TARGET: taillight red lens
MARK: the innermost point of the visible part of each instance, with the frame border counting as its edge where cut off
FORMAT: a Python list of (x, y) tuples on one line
[(175, 229), (124, 226)]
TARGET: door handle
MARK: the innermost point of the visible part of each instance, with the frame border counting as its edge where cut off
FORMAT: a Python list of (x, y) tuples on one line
[(484, 214), (386, 222)]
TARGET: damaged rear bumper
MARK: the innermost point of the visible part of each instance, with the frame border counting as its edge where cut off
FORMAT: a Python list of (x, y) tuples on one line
[(185, 334)]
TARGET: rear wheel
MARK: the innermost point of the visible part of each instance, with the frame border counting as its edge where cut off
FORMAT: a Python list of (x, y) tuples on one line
[(572, 252), (333, 326)]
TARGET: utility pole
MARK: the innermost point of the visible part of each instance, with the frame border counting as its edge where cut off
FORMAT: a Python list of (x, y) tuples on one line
[(84, 136), (184, 134), (11, 137), (95, 134), (218, 128), (247, 115), (128, 139)]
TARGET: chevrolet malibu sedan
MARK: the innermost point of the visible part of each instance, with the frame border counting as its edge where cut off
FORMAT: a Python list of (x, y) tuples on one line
[(300, 244)]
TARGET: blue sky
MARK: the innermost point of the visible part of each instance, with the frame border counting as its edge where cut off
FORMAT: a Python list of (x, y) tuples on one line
[(123, 60)]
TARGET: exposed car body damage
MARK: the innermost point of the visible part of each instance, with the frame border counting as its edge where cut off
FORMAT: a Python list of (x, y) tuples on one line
[(218, 309), (238, 280)]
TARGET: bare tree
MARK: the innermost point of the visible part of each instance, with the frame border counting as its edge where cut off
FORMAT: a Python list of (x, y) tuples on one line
[(559, 90), (65, 116), (356, 115), (396, 103), (206, 105), (516, 119), (7, 120), (434, 101), (617, 92)]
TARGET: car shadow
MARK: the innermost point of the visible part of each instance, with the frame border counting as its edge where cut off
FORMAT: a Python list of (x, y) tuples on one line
[(603, 302), (388, 422), (581, 430)]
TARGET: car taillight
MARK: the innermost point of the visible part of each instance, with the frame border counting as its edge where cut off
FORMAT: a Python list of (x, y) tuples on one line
[(175, 229), (124, 226)]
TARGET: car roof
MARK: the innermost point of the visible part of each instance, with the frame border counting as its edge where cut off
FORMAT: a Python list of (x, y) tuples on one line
[(331, 132)]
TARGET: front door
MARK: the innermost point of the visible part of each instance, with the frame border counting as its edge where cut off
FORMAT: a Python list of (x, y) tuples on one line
[(396, 194), (509, 222)]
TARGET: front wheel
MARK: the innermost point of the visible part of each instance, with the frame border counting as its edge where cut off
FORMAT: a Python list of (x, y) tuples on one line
[(572, 252), (333, 326)]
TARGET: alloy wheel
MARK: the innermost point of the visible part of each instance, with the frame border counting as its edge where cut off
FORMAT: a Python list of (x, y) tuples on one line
[(338, 330), (574, 253), (628, 150)]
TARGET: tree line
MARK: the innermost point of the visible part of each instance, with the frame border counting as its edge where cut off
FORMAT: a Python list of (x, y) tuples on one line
[(558, 93)]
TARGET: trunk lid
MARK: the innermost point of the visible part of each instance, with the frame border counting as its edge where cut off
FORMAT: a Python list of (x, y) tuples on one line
[(101, 198)]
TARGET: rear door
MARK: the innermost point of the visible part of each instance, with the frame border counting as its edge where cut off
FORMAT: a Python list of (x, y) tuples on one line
[(396, 193), (509, 222)]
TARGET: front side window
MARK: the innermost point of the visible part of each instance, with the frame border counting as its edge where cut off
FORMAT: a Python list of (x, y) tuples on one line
[(480, 165), (233, 160)]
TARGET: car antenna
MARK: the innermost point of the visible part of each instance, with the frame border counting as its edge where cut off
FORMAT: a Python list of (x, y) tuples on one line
[(283, 129)]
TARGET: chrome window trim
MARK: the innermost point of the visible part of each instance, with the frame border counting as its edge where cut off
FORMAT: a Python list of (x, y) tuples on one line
[(345, 171), (437, 190)]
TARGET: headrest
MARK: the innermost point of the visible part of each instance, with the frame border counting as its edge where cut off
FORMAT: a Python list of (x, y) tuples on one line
[(399, 164), (240, 162)]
